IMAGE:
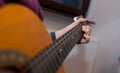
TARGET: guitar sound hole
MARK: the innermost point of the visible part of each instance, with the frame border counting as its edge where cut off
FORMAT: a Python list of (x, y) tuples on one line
[(9, 70)]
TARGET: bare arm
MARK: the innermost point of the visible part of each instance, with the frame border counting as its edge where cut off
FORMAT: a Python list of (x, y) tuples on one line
[(86, 29)]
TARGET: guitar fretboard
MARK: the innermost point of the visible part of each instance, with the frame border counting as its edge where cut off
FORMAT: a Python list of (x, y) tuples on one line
[(52, 57)]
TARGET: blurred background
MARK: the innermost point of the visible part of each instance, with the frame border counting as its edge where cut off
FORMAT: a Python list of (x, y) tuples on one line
[(101, 54)]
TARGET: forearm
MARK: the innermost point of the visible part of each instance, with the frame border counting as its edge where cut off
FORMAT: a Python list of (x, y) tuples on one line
[(61, 32)]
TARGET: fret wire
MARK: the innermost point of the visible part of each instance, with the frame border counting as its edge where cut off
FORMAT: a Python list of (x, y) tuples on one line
[(70, 43), (72, 36), (44, 61), (67, 41), (68, 48), (38, 60), (56, 47), (64, 39), (67, 44), (61, 53), (75, 39), (80, 32), (53, 57), (41, 57), (49, 63), (56, 61), (55, 52), (30, 66), (32, 70), (77, 34), (61, 56), (62, 49), (42, 66), (57, 56), (55, 65), (74, 29), (38, 68), (65, 48), (62, 45)]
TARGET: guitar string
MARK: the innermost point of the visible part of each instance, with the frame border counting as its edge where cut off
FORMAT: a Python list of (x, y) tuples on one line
[(61, 56), (55, 52), (52, 52), (56, 49), (61, 47)]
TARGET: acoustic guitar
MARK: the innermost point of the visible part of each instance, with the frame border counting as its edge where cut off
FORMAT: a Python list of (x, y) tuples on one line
[(25, 45)]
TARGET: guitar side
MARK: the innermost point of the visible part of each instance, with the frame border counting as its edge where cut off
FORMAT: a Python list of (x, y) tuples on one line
[(22, 34)]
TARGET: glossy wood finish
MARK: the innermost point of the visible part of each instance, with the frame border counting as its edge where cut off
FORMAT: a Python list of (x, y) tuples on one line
[(21, 32)]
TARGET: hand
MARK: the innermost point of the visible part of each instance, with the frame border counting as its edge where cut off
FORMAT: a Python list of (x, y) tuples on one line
[(86, 29), (86, 35)]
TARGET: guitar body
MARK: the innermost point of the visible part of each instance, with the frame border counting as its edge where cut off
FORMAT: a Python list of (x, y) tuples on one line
[(22, 36)]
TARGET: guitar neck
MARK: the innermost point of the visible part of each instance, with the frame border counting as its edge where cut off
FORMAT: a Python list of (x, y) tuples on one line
[(51, 58)]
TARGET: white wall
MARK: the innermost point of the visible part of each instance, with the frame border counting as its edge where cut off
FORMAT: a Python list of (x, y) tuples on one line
[(106, 14), (82, 57)]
